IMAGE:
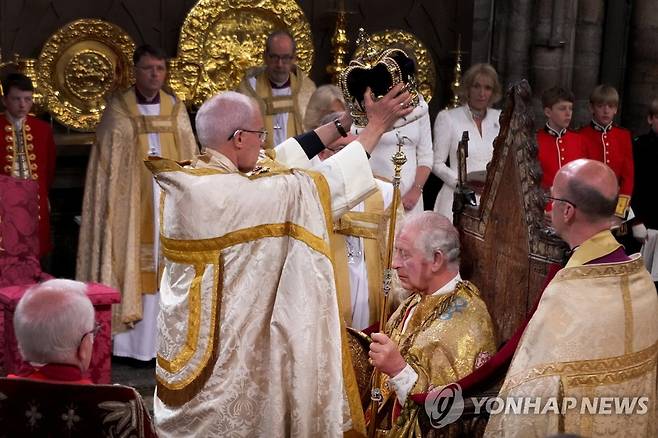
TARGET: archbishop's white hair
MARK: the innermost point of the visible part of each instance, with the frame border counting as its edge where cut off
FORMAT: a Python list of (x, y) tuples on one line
[(221, 115), (434, 233), (50, 320)]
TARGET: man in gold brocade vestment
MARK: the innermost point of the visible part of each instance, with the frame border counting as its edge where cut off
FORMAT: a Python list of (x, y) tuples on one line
[(119, 233), (280, 87), (439, 334), (250, 337), (594, 335)]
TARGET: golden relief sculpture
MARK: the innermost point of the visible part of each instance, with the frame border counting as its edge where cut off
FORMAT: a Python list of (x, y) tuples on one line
[(221, 39), (79, 66), (426, 73), (339, 46)]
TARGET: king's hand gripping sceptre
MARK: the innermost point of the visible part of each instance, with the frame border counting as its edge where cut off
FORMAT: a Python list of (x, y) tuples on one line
[(398, 159)]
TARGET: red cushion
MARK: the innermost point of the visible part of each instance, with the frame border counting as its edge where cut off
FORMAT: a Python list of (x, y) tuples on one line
[(19, 225), (19, 216)]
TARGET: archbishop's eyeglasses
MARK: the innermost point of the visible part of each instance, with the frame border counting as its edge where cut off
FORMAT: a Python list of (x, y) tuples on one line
[(551, 198), (262, 134), (94, 331)]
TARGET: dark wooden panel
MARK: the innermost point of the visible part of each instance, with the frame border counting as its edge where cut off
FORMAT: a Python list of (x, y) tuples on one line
[(506, 250)]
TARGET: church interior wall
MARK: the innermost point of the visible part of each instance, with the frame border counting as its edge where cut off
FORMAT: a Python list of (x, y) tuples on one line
[(573, 43)]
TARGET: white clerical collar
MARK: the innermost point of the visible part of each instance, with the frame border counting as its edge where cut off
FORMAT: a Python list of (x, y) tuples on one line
[(449, 286)]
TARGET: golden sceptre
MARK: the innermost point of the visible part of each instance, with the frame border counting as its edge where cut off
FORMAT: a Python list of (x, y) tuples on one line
[(376, 397)]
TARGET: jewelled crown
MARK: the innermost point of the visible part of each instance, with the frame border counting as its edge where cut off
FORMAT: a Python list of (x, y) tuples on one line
[(380, 71)]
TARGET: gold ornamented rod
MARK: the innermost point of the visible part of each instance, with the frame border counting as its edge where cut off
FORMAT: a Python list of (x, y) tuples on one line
[(456, 83), (398, 159), (340, 45)]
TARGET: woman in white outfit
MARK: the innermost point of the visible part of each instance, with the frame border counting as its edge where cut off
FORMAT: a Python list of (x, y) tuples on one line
[(480, 89), (417, 138)]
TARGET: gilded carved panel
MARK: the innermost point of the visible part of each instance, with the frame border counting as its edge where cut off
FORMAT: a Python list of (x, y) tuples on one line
[(218, 41), (221, 39), (79, 65)]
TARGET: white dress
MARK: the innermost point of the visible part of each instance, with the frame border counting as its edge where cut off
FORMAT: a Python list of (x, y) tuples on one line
[(417, 147), (448, 128)]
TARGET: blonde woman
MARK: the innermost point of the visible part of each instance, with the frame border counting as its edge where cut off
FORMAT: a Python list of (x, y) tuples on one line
[(326, 99), (480, 90)]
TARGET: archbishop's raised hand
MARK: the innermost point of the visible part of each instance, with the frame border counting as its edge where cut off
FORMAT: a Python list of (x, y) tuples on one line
[(384, 112)]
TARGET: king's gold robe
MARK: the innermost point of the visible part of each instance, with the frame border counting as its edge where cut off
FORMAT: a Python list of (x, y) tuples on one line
[(446, 337), (250, 337), (116, 233), (594, 334)]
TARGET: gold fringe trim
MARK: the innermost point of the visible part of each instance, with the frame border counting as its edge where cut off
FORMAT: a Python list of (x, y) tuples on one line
[(593, 372), (602, 270), (204, 251), (628, 314), (193, 318), (180, 393)]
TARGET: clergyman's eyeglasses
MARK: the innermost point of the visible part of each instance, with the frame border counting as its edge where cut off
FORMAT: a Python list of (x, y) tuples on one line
[(551, 198), (262, 134)]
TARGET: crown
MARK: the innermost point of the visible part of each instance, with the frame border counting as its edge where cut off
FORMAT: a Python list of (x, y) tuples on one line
[(380, 71)]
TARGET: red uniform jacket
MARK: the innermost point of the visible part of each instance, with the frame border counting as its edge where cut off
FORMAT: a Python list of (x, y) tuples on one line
[(556, 150), (612, 145), (41, 153)]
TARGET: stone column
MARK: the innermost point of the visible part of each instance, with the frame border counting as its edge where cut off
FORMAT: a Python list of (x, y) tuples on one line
[(587, 56), (512, 39), (552, 53), (482, 31), (642, 73)]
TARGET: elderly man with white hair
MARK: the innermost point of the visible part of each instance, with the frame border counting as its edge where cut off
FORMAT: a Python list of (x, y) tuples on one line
[(438, 335), (55, 329), (250, 333)]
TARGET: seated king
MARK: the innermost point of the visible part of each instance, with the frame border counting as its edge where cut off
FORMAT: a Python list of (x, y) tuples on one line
[(441, 333)]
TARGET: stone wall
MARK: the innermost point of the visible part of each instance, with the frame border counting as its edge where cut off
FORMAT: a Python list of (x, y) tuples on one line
[(577, 44), (641, 65)]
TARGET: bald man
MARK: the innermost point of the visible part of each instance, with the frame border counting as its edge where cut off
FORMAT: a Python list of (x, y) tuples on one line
[(595, 332)]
